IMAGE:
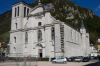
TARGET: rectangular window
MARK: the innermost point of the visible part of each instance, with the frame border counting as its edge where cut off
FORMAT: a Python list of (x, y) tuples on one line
[(26, 37), (24, 11), (8, 49), (52, 34)]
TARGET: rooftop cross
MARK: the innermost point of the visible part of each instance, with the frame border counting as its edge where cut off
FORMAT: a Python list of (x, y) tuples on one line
[(39, 2)]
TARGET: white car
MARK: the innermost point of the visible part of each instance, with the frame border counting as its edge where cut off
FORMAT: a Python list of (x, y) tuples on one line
[(78, 59), (60, 60)]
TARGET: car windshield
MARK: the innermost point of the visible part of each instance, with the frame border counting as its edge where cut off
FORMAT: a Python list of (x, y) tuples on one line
[(85, 57), (78, 57), (60, 58)]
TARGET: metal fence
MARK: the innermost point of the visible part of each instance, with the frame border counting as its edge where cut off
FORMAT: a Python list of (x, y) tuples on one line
[(19, 61)]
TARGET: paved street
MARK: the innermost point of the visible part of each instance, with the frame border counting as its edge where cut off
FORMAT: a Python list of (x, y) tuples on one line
[(91, 63)]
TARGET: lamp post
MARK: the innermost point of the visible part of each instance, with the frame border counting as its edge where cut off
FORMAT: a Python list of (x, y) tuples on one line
[(25, 59), (44, 35)]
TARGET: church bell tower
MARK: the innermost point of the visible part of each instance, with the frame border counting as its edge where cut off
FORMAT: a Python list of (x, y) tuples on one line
[(82, 29)]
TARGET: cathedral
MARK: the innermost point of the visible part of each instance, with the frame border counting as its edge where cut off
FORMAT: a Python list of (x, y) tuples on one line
[(34, 32)]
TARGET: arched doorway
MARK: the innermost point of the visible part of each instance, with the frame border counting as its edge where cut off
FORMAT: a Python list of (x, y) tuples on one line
[(40, 53), (39, 48)]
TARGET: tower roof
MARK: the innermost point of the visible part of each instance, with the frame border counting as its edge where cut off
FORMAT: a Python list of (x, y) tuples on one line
[(21, 2), (82, 24)]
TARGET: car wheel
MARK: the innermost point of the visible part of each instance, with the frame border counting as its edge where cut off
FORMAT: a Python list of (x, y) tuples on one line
[(54, 62), (64, 62)]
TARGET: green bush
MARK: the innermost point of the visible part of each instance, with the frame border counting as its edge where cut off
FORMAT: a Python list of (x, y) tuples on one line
[(21, 59), (44, 59)]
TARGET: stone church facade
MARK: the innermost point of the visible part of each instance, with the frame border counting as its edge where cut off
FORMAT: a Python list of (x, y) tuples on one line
[(35, 32)]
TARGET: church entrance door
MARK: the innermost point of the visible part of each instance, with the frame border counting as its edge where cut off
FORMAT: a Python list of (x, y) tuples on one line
[(40, 53)]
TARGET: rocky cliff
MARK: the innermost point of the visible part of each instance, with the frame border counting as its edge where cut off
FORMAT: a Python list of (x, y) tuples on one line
[(65, 11)]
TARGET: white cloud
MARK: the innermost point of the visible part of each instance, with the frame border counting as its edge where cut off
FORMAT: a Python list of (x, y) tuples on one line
[(97, 8)]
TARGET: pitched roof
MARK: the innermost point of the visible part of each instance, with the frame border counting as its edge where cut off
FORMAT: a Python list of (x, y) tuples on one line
[(21, 2)]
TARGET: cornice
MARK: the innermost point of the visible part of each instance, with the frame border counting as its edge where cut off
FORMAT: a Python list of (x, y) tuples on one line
[(31, 28), (36, 7), (38, 14)]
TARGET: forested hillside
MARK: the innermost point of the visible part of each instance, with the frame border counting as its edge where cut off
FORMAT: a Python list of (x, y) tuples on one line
[(64, 11)]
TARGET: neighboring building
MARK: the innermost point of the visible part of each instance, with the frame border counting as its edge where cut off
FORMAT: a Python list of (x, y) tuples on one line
[(98, 39), (93, 49), (3, 49), (98, 47), (35, 32), (98, 44)]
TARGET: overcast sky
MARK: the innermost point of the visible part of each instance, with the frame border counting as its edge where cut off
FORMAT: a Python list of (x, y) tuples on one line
[(5, 5)]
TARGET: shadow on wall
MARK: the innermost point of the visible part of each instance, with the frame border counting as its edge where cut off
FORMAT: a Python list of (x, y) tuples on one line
[(93, 64)]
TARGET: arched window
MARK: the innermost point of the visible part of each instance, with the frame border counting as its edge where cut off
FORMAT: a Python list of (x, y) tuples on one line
[(39, 24), (16, 25), (15, 39), (26, 37), (24, 11), (52, 33), (18, 11), (27, 11), (39, 35), (15, 12), (14, 49)]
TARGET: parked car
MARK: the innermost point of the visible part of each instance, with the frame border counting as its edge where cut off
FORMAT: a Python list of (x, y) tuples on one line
[(85, 59), (80, 56), (67, 59), (71, 59), (78, 59), (60, 60), (52, 59), (91, 57)]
